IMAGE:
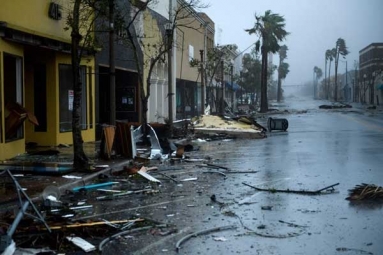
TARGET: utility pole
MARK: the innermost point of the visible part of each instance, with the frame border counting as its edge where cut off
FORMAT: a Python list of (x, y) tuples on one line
[(202, 83), (232, 88), (169, 33), (223, 90), (112, 67), (346, 77)]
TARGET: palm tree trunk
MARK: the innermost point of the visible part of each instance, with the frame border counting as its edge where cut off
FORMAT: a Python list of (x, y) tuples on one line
[(336, 78), (264, 105), (329, 80), (325, 77)]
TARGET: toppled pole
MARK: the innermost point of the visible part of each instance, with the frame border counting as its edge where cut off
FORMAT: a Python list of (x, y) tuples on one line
[(6, 240)]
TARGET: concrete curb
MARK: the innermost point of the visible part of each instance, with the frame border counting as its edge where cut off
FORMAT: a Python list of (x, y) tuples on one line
[(247, 134)]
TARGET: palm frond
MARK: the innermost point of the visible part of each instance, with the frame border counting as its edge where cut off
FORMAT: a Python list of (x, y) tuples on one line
[(365, 192)]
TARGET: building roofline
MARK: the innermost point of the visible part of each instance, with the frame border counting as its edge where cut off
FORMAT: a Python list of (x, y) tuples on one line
[(370, 45)]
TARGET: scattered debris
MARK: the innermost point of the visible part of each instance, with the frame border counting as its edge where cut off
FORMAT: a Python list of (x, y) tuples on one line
[(292, 224), (372, 107), (93, 186), (338, 106), (121, 194), (215, 172), (148, 176), (167, 176), (71, 177), (195, 234), (266, 207), (365, 192), (190, 179), (351, 249), (92, 224), (329, 189), (217, 166), (126, 232), (277, 230), (84, 245), (7, 244), (220, 239)]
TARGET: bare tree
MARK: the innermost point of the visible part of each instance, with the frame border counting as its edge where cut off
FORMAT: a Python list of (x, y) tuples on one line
[(80, 22), (182, 15)]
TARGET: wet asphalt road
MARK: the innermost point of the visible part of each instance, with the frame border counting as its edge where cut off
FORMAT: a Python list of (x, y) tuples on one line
[(321, 148)]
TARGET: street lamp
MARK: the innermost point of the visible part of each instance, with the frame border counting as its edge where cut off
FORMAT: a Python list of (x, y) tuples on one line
[(169, 35)]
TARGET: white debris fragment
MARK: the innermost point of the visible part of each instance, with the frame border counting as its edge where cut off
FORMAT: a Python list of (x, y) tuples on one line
[(84, 245), (52, 198), (148, 176), (221, 239), (101, 166), (71, 177), (190, 179)]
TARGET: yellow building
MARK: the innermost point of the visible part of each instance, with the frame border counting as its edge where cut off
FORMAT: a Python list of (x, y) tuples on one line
[(35, 74), (195, 35)]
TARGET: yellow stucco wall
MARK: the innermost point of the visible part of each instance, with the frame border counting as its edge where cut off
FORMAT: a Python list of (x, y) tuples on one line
[(190, 34), (152, 37), (32, 16), (49, 137), (88, 135)]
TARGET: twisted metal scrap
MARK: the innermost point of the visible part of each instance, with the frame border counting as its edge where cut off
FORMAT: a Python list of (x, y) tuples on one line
[(365, 192)]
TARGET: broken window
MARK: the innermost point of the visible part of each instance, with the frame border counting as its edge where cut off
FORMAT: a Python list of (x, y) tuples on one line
[(13, 93), (67, 96)]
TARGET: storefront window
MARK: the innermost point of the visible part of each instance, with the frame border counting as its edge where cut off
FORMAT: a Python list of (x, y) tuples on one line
[(67, 96), (13, 98)]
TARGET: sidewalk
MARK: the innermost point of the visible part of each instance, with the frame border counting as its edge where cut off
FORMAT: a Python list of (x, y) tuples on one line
[(34, 185)]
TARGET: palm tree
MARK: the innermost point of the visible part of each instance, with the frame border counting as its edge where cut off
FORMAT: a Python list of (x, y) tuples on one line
[(328, 56), (317, 75), (283, 70), (332, 53), (271, 30), (341, 49), (282, 56)]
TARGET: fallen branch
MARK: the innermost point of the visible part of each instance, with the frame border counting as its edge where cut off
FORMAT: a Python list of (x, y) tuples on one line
[(167, 176), (303, 192), (351, 249), (195, 234), (213, 165), (106, 240), (242, 172), (91, 224), (215, 172)]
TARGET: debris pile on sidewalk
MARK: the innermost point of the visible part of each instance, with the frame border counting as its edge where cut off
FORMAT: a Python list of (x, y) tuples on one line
[(335, 106), (236, 126)]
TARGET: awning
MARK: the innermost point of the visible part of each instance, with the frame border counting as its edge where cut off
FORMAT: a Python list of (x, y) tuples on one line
[(379, 86), (235, 87)]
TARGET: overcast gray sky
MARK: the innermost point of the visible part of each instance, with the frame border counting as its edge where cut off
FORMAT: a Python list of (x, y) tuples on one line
[(314, 26)]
